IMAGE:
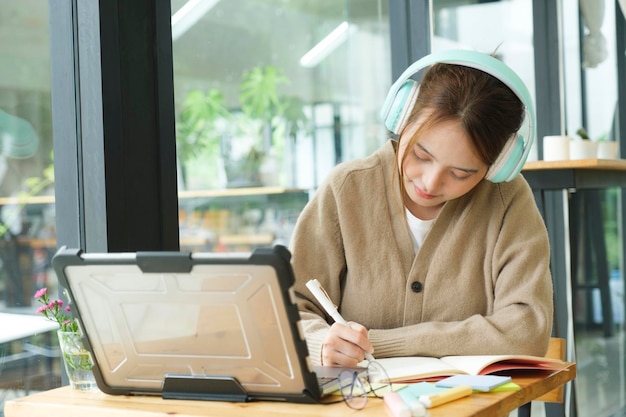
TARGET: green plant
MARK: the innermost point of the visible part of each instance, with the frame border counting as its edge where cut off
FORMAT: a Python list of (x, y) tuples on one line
[(75, 355), (610, 203), (262, 122), (280, 116), (582, 132), (34, 185), (603, 138), (259, 93), (197, 132), (261, 100), (295, 118)]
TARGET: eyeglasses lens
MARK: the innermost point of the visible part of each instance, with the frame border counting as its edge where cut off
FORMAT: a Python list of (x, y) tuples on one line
[(378, 379), (353, 390)]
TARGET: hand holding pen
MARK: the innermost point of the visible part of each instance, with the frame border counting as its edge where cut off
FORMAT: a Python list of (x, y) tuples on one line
[(321, 296)]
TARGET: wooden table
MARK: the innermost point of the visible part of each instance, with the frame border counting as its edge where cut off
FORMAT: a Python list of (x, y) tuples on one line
[(69, 403), (549, 180), (558, 186), (576, 174)]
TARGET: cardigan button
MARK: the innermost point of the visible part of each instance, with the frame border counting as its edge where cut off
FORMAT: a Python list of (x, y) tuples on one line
[(417, 286)]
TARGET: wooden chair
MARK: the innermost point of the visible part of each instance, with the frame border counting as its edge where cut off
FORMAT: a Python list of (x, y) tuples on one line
[(556, 350)]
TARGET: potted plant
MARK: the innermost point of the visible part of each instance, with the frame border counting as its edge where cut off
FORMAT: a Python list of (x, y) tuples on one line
[(601, 148), (246, 139), (198, 129), (295, 121), (584, 148), (607, 149), (261, 109)]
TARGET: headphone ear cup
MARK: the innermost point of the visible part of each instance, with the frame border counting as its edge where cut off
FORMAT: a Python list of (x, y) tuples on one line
[(401, 106), (510, 161)]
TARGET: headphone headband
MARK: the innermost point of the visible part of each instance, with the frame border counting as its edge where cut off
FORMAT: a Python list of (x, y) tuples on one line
[(394, 113)]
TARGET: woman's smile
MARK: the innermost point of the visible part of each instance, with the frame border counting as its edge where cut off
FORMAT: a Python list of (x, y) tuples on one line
[(423, 194)]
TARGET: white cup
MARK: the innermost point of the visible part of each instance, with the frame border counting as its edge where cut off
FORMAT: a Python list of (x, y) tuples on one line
[(608, 150), (582, 149), (556, 148)]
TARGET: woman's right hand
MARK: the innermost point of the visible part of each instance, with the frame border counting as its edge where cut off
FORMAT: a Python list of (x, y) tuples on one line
[(345, 345)]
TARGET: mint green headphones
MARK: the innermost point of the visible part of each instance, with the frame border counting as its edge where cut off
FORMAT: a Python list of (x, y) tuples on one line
[(403, 93)]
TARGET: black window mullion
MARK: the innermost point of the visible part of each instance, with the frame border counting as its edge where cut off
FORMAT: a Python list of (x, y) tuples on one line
[(409, 22), (124, 124)]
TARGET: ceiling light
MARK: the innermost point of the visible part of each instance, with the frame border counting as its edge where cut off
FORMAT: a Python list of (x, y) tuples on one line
[(327, 45), (189, 14)]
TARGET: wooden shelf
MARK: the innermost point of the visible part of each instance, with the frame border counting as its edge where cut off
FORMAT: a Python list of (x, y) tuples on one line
[(592, 163), (35, 242), (38, 199), (238, 192), (227, 192), (260, 239)]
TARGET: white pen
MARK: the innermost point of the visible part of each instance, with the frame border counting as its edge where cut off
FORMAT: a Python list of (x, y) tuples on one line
[(319, 293)]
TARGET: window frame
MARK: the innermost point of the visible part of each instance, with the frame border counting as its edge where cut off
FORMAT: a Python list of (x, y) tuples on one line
[(113, 125)]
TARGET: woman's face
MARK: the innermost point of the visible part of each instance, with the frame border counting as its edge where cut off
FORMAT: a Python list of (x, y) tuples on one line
[(441, 166)]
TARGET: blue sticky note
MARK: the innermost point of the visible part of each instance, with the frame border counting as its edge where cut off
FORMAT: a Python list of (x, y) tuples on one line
[(477, 382), (413, 391)]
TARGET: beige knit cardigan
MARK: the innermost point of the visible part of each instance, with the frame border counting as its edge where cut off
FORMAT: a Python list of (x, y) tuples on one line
[(484, 271)]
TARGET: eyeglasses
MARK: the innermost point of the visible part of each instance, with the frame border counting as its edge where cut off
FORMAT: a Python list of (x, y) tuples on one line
[(356, 386)]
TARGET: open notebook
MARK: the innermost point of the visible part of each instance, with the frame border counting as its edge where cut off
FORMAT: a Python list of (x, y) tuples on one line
[(194, 326)]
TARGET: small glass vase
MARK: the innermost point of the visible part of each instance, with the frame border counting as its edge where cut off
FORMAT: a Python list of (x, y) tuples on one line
[(77, 361)]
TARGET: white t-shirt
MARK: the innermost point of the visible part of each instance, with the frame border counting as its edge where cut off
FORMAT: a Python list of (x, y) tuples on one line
[(418, 228)]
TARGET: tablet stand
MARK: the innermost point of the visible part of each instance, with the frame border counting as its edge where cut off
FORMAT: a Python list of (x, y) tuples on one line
[(203, 387)]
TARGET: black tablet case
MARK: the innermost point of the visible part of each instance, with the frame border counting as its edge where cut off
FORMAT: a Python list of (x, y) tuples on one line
[(191, 325)]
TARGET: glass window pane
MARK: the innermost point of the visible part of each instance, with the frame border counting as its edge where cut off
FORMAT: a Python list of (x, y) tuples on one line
[(504, 28), (29, 358), (501, 27), (598, 301), (270, 95)]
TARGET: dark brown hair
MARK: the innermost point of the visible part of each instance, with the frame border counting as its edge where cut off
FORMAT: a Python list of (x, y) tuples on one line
[(488, 110)]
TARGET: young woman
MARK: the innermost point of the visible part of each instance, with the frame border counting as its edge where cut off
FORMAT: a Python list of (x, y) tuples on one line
[(422, 253)]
